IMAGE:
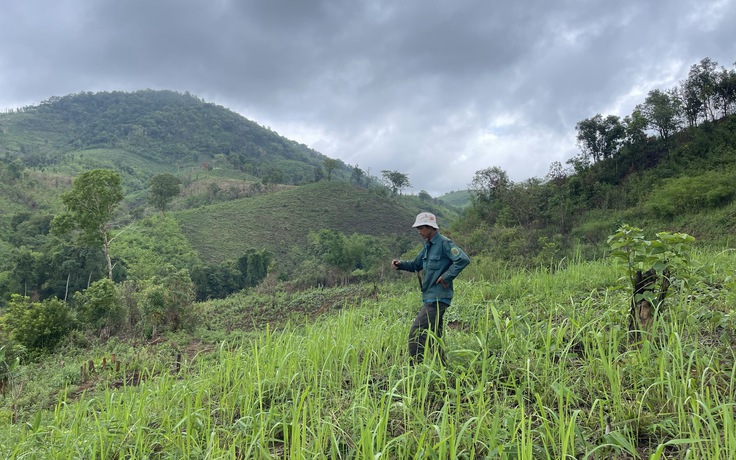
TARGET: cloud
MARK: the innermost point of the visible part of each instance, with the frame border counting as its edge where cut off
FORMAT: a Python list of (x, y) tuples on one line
[(435, 89)]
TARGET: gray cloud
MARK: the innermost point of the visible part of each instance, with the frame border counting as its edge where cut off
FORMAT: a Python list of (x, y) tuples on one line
[(435, 89)]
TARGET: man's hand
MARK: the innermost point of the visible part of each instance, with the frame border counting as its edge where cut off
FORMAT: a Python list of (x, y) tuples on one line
[(443, 282), (395, 264)]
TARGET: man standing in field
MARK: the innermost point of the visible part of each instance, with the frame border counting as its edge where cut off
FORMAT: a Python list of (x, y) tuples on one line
[(441, 261)]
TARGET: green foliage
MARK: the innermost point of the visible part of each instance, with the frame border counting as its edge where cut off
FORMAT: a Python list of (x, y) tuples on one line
[(37, 325), (144, 249), (600, 138), (99, 308), (91, 205), (167, 303), (395, 180), (668, 253), (693, 194), (330, 164), (347, 253), (661, 109), (217, 281), (163, 188), (253, 266)]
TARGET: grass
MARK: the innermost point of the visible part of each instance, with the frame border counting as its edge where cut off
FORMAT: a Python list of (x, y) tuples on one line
[(283, 219), (540, 366)]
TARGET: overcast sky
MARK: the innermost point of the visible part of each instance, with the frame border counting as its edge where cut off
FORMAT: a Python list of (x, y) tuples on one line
[(434, 89)]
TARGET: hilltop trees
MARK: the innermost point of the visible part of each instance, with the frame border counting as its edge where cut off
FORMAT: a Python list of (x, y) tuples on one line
[(600, 137), (662, 111), (358, 176), (91, 204), (395, 180), (488, 189), (330, 165), (707, 92)]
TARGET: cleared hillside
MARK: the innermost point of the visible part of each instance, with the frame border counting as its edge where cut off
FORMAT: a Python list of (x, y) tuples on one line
[(282, 220)]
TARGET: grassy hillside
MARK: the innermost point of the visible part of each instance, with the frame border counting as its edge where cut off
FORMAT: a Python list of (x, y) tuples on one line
[(539, 366), (456, 198), (282, 220)]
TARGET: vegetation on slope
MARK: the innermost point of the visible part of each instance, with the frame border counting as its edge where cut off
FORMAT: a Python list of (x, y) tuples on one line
[(540, 365), (542, 361), (281, 221), (163, 129)]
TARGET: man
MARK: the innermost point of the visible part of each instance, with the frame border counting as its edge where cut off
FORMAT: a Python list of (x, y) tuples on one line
[(441, 261)]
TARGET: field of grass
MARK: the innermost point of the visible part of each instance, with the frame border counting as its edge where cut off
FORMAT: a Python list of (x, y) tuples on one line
[(283, 219), (539, 366)]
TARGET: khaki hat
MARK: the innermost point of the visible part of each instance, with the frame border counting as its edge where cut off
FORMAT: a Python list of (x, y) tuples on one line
[(425, 218)]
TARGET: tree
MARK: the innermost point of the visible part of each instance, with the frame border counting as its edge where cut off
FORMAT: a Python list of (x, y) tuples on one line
[(702, 82), (330, 165), (600, 137), (319, 174), (690, 101), (662, 111), (488, 191), (490, 184), (667, 259), (253, 266), (358, 176), (274, 176), (725, 90), (168, 301), (98, 306), (635, 126), (91, 205), (163, 188), (395, 180)]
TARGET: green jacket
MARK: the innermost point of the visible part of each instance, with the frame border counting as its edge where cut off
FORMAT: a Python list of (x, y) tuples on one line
[(439, 257)]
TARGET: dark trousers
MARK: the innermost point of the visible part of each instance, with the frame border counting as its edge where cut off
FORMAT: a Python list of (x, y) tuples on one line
[(429, 319)]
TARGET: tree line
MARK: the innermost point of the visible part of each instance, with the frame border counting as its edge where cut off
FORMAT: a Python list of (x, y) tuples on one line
[(669, 143), (707, 94)]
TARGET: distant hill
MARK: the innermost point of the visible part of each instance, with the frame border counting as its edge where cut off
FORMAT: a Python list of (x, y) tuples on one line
[(281, 221), (243, 185), (147, 132), (457, 198)]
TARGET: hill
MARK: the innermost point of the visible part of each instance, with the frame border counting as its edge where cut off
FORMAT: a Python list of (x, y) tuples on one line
[(457, 198), (282, 220), (218, 155), (146, 132)]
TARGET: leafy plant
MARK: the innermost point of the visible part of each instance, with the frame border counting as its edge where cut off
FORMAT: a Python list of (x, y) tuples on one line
[(665, 259), (37, 325), (667, 252), (99, 307)]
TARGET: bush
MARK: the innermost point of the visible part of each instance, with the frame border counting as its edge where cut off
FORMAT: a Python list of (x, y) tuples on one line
[(38, 325), (167, 303), (99, 307)]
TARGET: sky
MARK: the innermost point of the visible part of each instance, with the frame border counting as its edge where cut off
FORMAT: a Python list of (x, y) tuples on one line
[(434, 89)]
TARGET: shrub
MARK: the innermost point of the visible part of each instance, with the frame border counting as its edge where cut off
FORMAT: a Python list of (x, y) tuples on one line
[(37, 325), (99, 307), (167, 303)]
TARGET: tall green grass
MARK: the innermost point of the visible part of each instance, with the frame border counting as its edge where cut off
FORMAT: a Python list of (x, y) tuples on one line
[(540, 365)]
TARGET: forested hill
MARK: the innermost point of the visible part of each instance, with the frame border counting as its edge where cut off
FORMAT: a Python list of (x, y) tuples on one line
[(154, 129)]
